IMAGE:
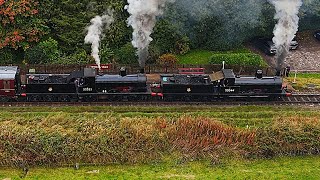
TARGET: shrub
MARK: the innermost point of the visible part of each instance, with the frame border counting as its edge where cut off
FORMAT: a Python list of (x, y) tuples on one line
[(50, 48), (242, 59), (6, 57), (35, 55), (106, 54), (126, 54), (45, 52), (290, 136), (167, 60), (182, 45), (79, 57)]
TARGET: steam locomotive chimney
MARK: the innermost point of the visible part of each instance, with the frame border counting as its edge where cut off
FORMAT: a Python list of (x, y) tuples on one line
[(278, 72), (259, 74), (142, 71), (123, 71)]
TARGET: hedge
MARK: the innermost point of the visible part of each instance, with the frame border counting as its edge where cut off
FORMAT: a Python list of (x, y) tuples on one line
[(52, 139)]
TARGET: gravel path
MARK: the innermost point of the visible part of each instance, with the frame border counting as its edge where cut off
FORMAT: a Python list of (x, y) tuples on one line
[(307, 56)]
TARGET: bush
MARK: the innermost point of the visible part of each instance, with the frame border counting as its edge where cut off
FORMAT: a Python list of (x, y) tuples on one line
[(106, 54), (45, 52), (50, 48), (6, 57), (35, 55), (62, 138), (290, 136), (182, 46), (167, 60), (242, 59), (79, 57), (126, 54)]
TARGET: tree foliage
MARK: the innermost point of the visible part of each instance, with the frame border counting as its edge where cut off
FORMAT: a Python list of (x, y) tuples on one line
[(20, 24), (27, 27), (167, 59)]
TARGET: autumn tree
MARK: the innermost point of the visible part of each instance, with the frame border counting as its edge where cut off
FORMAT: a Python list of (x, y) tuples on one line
[(19, 24)]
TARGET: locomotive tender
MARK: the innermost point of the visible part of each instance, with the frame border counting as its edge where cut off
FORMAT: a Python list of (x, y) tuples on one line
[(87, 85)]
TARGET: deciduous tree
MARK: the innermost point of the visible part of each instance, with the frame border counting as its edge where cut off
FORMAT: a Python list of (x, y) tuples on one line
[(20, 24)]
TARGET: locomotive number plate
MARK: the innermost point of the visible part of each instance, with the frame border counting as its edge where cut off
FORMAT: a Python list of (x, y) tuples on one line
[(229, 90), (87, 89)]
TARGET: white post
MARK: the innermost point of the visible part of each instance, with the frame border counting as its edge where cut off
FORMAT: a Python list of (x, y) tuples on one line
[(295, 77), (223, 64)]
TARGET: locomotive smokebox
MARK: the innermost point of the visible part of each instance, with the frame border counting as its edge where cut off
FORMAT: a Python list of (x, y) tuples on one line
[(123, 71)]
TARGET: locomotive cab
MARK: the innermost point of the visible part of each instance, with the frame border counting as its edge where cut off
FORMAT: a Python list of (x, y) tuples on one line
[(224, 82)]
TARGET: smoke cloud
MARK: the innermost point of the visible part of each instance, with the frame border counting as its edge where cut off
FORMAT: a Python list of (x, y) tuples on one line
[(95, 31), (286, 28), (143, 14), (219, 23)]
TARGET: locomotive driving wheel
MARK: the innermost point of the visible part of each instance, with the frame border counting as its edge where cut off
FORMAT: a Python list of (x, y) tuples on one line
[(4, 99), (64, 98), (90, 98), (49, 98), (34, 98)]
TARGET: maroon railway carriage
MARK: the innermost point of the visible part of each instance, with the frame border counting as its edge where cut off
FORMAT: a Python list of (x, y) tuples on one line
[(9, 81)]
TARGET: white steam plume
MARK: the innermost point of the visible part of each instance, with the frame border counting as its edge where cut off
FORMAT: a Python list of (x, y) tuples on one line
[(95, 31), (142, 18), (286, 28)]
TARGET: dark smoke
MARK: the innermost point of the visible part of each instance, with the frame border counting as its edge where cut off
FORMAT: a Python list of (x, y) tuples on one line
[(232, 21), (286, 28)]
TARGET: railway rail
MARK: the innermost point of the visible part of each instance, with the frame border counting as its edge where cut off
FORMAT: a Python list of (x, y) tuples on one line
[(295, 99)]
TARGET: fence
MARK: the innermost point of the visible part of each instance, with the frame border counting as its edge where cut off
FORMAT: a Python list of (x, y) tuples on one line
[(149, 69)]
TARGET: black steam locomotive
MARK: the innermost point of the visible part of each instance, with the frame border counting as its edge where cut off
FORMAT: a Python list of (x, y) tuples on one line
[(86, 85)]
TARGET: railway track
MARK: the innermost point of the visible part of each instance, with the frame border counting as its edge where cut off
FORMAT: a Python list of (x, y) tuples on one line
[(295, 99)]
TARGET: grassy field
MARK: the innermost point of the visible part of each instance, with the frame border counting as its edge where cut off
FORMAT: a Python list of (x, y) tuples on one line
[(203, 56), (305, 81), (242, 116), (279, 168)]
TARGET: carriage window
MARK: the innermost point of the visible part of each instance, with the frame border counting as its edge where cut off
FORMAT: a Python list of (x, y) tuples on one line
[(6, 84)]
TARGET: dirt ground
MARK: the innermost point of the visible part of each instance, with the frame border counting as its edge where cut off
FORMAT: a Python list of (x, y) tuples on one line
[(305, 58)]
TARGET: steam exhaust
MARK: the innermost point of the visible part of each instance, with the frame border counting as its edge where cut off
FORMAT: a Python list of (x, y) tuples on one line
[(286, 28), (95, 31), (143, 14)]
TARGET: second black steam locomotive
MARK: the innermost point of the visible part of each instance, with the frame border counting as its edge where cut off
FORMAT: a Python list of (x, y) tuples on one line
[(87, 85)]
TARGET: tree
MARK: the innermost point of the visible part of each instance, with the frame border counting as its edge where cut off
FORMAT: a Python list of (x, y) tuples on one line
[(68, 19), (20, 25)]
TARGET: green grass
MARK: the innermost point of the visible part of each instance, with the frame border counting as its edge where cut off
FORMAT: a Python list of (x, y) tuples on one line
[(200, 56), (305, 75), (241, 116), (279, 168), (303, 80), (195, 57)]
